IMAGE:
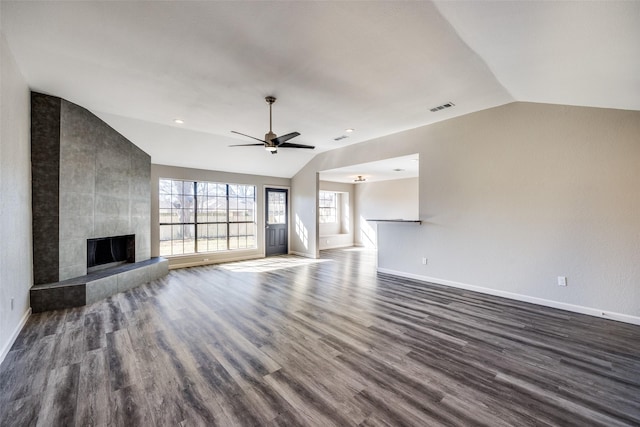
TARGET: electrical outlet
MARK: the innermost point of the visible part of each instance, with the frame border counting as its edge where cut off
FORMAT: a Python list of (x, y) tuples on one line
[(206, 259), (562, 281), (424, 261)]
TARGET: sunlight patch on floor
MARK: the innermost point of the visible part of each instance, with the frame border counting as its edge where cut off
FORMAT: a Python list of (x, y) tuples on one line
[(270, 264)]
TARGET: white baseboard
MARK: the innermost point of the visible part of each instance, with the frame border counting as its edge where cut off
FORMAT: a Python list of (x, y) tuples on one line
[(596, 312), (212, 261), (14, 335), (342, 245), (303, 254), (360, 245)]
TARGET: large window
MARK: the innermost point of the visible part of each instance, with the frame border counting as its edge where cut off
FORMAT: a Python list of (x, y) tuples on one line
[(327, 205), (200, 217)]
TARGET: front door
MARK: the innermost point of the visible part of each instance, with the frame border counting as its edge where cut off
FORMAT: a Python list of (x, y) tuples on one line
[(276, 221)]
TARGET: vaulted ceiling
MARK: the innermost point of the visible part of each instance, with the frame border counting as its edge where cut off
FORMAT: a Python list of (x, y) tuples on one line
[(376, 67)]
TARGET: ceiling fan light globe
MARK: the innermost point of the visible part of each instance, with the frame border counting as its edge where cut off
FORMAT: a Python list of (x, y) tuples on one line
[(271, 149)]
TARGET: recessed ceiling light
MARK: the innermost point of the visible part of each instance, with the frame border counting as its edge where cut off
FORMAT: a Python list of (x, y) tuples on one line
[(349, 130), (178, 121), (398, 170)]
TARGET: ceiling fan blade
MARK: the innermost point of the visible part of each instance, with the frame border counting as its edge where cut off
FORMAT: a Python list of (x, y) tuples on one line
[(249, 136), (247, 145), (284, 138), (290, 145)]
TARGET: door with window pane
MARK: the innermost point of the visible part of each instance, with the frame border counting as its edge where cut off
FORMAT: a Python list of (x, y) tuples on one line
[(276, 221)]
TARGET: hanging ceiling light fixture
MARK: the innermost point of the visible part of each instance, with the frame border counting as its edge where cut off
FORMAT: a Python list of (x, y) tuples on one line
[(359, 179)]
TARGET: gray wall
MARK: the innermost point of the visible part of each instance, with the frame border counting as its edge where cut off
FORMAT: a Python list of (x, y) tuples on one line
[(393, 199), (103, 188), (15, 200), (511, 198), (304, 210), (163, 171)]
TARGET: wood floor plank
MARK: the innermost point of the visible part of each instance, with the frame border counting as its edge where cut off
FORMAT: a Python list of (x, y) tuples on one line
[(60, 397), (93, 408), (70, 348), (311, 408), (20, 412), (290, 341), (123, 370), (128, 407), (32, 369)]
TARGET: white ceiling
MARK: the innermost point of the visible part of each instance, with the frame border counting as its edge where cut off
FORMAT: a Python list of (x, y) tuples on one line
[(377, 67), (381, 170)]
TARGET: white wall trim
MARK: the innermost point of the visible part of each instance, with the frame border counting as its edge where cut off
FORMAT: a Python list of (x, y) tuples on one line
[(596, 312), (14, 335), (333, 236), (337, 246), (212, 261), (303, 254)]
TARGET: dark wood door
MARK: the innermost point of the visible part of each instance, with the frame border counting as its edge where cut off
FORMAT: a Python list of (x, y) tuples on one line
[(276, 221)]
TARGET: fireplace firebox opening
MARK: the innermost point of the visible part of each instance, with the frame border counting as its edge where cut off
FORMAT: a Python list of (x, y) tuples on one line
[(107, 252)]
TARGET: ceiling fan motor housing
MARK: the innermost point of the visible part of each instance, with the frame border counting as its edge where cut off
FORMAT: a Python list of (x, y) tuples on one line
[(269, 144), (269, 136)]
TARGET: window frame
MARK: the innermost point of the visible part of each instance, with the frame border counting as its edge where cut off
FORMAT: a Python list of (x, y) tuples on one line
[(323, 207), (228, 223)]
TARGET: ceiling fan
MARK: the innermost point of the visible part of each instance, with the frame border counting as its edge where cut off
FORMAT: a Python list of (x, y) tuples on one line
[(271, 141)]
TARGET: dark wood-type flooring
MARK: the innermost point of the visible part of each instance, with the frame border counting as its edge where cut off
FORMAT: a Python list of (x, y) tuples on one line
[(290, 341)]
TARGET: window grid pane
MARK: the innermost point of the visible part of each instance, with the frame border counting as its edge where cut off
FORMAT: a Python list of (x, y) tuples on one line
[(277, 208), (195, 217), (327, 207)]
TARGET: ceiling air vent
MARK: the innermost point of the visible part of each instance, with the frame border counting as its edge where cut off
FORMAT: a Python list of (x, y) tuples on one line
[(442, 107), (340, 137)]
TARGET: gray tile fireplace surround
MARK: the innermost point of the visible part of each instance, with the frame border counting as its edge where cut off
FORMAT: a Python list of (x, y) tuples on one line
[(85, 290), (89, 183)]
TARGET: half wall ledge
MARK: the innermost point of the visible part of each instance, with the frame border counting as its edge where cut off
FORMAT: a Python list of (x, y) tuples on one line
[(93, 287), (414, 221)]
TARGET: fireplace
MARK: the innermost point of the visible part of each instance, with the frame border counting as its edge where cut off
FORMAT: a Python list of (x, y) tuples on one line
[(107, 252)]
